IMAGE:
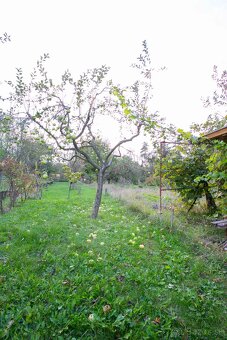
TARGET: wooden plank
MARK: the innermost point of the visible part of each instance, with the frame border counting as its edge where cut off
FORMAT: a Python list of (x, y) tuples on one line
[(220, 223)]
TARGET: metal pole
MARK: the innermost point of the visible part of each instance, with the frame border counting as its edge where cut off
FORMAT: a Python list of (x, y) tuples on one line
[(160, 180)]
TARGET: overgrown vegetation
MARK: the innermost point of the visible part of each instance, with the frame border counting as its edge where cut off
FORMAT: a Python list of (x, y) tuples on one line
[(195, 227), (64, 275), (15, 182), (196, 167)]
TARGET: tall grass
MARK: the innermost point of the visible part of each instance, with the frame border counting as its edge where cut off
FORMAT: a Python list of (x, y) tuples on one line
[(146, 199), (194, 227)]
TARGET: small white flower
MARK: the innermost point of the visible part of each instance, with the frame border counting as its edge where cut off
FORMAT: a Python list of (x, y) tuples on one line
[(102, 243)]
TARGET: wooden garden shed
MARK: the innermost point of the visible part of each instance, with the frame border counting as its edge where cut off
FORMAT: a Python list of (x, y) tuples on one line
[(220, 134)]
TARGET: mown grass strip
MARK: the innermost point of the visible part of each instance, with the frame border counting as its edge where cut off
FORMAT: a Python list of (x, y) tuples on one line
[(64, 275)]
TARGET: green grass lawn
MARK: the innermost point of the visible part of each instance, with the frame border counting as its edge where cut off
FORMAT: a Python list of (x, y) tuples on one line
[(122, 276)]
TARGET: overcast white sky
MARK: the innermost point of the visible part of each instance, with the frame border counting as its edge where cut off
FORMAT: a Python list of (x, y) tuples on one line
[(186, 36)]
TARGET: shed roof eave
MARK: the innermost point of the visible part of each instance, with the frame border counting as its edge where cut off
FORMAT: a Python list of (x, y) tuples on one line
[(218, 134)]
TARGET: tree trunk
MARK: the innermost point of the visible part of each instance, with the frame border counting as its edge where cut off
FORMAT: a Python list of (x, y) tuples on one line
[(13, 195), (211, 205), (98, 196), (70, 187)]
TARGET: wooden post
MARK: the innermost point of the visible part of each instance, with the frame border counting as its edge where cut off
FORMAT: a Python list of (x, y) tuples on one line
[(1, 199)]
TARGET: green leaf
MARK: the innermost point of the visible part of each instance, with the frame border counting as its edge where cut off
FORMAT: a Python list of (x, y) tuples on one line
[(127, 111)]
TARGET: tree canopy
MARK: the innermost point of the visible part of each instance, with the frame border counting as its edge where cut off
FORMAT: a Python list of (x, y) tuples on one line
[(66, 113), (197, 167)]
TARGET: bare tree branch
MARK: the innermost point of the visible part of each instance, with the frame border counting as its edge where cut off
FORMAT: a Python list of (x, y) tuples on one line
[(124, 141), (86, 156)]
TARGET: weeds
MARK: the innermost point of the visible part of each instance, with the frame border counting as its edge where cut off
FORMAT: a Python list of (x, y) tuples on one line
[(194, 227)]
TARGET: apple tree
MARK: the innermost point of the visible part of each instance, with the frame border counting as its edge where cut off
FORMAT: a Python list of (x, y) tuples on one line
[(69, 113)]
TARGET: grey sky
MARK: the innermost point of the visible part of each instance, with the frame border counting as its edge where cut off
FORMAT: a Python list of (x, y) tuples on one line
[(186, 36)]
